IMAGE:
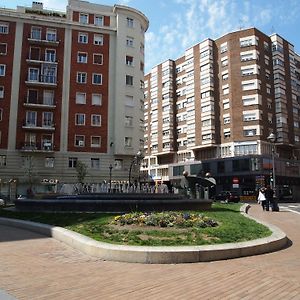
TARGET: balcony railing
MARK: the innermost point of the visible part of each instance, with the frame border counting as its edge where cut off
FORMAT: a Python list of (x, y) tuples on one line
[(44, 126), (37, 147), (39, 102), (42, 80), (35, 39)]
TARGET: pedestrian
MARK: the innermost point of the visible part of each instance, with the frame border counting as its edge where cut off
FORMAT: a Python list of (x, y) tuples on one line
[(262, 199), (269, 193)]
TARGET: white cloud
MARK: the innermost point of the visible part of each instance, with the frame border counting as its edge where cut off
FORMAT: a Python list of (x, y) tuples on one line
[(196, 20)]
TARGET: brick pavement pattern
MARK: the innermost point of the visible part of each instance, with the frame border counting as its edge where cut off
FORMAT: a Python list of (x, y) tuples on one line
[(36, 267)]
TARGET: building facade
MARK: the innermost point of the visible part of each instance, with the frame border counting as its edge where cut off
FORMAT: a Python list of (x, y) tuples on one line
[(70, 90), (213, 109)]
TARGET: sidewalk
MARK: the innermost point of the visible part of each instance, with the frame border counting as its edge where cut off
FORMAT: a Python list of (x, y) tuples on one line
[(35, 267)]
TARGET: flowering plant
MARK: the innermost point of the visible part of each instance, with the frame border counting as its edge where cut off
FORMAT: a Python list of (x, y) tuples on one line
[(165, 219)]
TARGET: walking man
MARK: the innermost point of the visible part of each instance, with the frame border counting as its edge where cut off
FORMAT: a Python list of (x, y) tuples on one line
[(269, 193)]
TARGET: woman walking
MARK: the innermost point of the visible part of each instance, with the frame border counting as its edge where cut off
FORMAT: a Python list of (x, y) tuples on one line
[(262, 198)]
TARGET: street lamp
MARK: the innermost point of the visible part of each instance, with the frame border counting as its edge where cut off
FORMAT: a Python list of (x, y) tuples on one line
[(272, 139), (135, 161), (110, 169)]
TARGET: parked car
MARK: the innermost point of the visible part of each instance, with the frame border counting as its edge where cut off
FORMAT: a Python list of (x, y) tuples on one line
[(228, 196), (3, 200)]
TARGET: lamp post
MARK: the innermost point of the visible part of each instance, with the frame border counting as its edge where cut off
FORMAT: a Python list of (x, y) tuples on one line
[(110, 169), (272, 139), (135, 161)]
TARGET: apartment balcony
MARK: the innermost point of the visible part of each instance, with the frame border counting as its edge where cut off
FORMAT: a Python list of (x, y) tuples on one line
[(37, 147), (39, 103), (46, 126), (37, 40), (42, 80), (47, 59)]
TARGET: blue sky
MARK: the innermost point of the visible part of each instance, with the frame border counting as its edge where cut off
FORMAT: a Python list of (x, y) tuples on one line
[(176, 25)]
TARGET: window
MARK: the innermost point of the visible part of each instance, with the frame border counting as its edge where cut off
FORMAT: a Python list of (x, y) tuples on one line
[(248, 71), (3, 48), (129, 100), (97, 79), (32, 96), (247, 42), (97, 99), (129, 60), (226, 104), (80, 119), (98, 20), (225, 90), (128, 121), (51, 35), (223, 48), (50, 55), (47, 119), (82, 57), (249, 117), (225, 76), (81, 77), (79, 140), (206, 123), (4, 28), (95, 141), (80, 98), (48, 97), (72, 162), (96, 120), (36, 33), (248, 56), (129, 41), (224, 62), (206, 94), (130, 22), (98, 39), (226, 134), (95, 163), (49, 162), (2, 70), (98, 59), (1, 92), (33, 74), (249, 132), (83, 38), (226, 120), (128, 141), (2, 157), (250, 100), (31, 117), (118, 164), (84, 18), (129, 80)]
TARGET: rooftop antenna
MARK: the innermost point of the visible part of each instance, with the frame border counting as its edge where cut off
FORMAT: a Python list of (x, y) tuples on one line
[(240, 24), (272, 29)]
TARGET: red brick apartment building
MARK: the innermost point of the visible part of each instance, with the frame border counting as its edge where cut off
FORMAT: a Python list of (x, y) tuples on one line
[(213, 109), (70, 90)]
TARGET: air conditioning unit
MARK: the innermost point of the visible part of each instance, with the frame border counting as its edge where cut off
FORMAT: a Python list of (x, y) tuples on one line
[(81, 143)]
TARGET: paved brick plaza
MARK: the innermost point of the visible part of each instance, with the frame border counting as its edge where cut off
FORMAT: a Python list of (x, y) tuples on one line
[(35, 267)]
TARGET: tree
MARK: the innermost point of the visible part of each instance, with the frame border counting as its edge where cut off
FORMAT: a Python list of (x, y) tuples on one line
[(81, 169)]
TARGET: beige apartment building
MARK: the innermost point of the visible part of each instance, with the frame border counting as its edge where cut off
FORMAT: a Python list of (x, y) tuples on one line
[(213, 109), (70, 90)]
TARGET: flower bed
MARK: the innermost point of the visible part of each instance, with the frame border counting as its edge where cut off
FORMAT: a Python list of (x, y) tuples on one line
[(165, 219)]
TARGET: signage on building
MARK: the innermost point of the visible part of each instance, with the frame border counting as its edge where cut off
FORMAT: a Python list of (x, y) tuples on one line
[(235, 180), (49, 181)]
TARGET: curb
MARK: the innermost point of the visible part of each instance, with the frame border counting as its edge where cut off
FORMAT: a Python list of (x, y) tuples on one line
[(158, 255)]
